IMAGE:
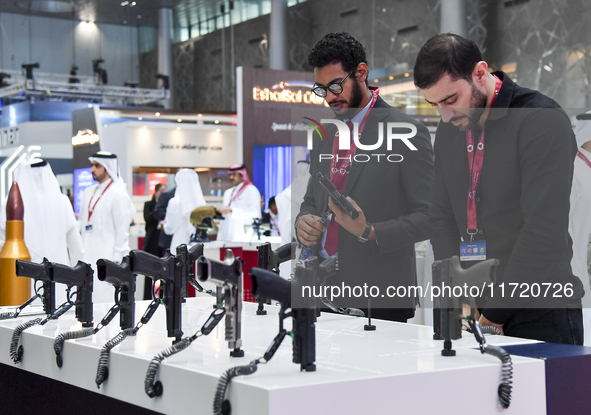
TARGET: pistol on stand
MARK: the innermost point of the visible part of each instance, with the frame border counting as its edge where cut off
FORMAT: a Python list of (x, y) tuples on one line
[(228, 276), (270, 260), (123, 279), (169, 274), (39, 272), (447, 310), (300, 308), (80, 277)]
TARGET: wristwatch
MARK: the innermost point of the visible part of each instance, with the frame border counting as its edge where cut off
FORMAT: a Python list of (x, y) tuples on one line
[(364, 237)]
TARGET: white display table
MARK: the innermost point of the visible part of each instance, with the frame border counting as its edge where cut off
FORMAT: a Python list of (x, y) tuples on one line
[(396, 369)]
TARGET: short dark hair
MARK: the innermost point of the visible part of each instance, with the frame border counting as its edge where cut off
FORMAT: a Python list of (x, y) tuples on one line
[(337, 48), (271, 202), (158, 187), (446, 53)]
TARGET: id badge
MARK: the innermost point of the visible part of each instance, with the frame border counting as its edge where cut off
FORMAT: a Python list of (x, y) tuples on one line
[(88, 228), (473, 251)]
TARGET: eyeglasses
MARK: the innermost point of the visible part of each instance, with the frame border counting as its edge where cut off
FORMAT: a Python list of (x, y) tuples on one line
[(336, 88)]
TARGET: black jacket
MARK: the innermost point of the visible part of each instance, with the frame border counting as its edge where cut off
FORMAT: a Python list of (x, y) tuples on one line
[(164, 240), (151, 238), (522, 199), (394, 197)]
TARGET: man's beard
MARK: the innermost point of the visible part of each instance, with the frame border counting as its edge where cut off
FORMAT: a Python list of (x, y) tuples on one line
[(99, 178), (354, 103), (478, 106)]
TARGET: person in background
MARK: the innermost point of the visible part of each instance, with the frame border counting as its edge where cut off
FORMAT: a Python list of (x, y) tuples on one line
[(51, 230), (242, 204), (151, 238), (580, 213), (164, 240), (105, 214), (289, 201), (187, 197)]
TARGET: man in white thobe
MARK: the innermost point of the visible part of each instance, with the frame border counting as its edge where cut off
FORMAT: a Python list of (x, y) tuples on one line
[(241, 205), (51, 230), (105, 216), (188, 196)]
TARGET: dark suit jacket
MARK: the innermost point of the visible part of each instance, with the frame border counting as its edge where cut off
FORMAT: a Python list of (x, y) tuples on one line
[(394, 197), (522, 199), (151, 238), (164, 240)]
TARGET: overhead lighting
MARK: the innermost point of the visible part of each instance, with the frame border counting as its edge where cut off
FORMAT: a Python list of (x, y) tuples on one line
[(140, 118), (217, 130), (217, 121), (157, 114), (200, 115), (86, 136), (124, 3), (133, 3), (406, 74), (179, 120), (375, 81), (391, 77)]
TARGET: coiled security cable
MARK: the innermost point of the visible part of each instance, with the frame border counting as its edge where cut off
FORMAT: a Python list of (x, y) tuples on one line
[(16, 351), (506, 385), (155, 388), (222, 406), (491, 330), (58, 344), (15, 314), (102, 372)]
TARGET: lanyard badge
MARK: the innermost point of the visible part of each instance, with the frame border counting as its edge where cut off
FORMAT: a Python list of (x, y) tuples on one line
[(475, 250)]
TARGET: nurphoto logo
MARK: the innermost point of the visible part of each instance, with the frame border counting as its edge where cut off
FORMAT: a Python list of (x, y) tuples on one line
[(385, 133)]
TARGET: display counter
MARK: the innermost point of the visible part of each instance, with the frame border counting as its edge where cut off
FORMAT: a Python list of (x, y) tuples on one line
[(398, 368)]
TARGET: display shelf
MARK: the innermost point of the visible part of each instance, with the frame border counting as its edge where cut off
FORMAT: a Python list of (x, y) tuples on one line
[(398, 366)]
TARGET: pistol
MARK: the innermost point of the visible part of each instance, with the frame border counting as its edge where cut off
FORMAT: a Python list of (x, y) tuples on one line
[(268, 285), (80, 277), (228, 276), (39, 272), (123, 279), (166, 271)]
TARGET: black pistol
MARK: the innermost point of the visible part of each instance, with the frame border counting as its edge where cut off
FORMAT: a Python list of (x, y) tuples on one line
[(123, 279), (171, 291), (186, 257), (40, 272), (80, 277), (266, 284)]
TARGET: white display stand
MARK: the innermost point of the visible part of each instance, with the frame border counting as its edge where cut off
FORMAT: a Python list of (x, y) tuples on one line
[(396, 369)]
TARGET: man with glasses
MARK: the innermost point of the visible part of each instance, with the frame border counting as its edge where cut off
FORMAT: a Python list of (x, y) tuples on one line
[(391, 194)]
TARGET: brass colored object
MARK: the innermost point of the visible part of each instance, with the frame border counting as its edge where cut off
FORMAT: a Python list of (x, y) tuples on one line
[(13, 290)]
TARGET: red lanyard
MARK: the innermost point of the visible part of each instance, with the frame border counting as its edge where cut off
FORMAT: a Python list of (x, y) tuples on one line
[(233, 198), (91, 211), (340, 168), (584, 158), (475, 161), (274, 224)]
